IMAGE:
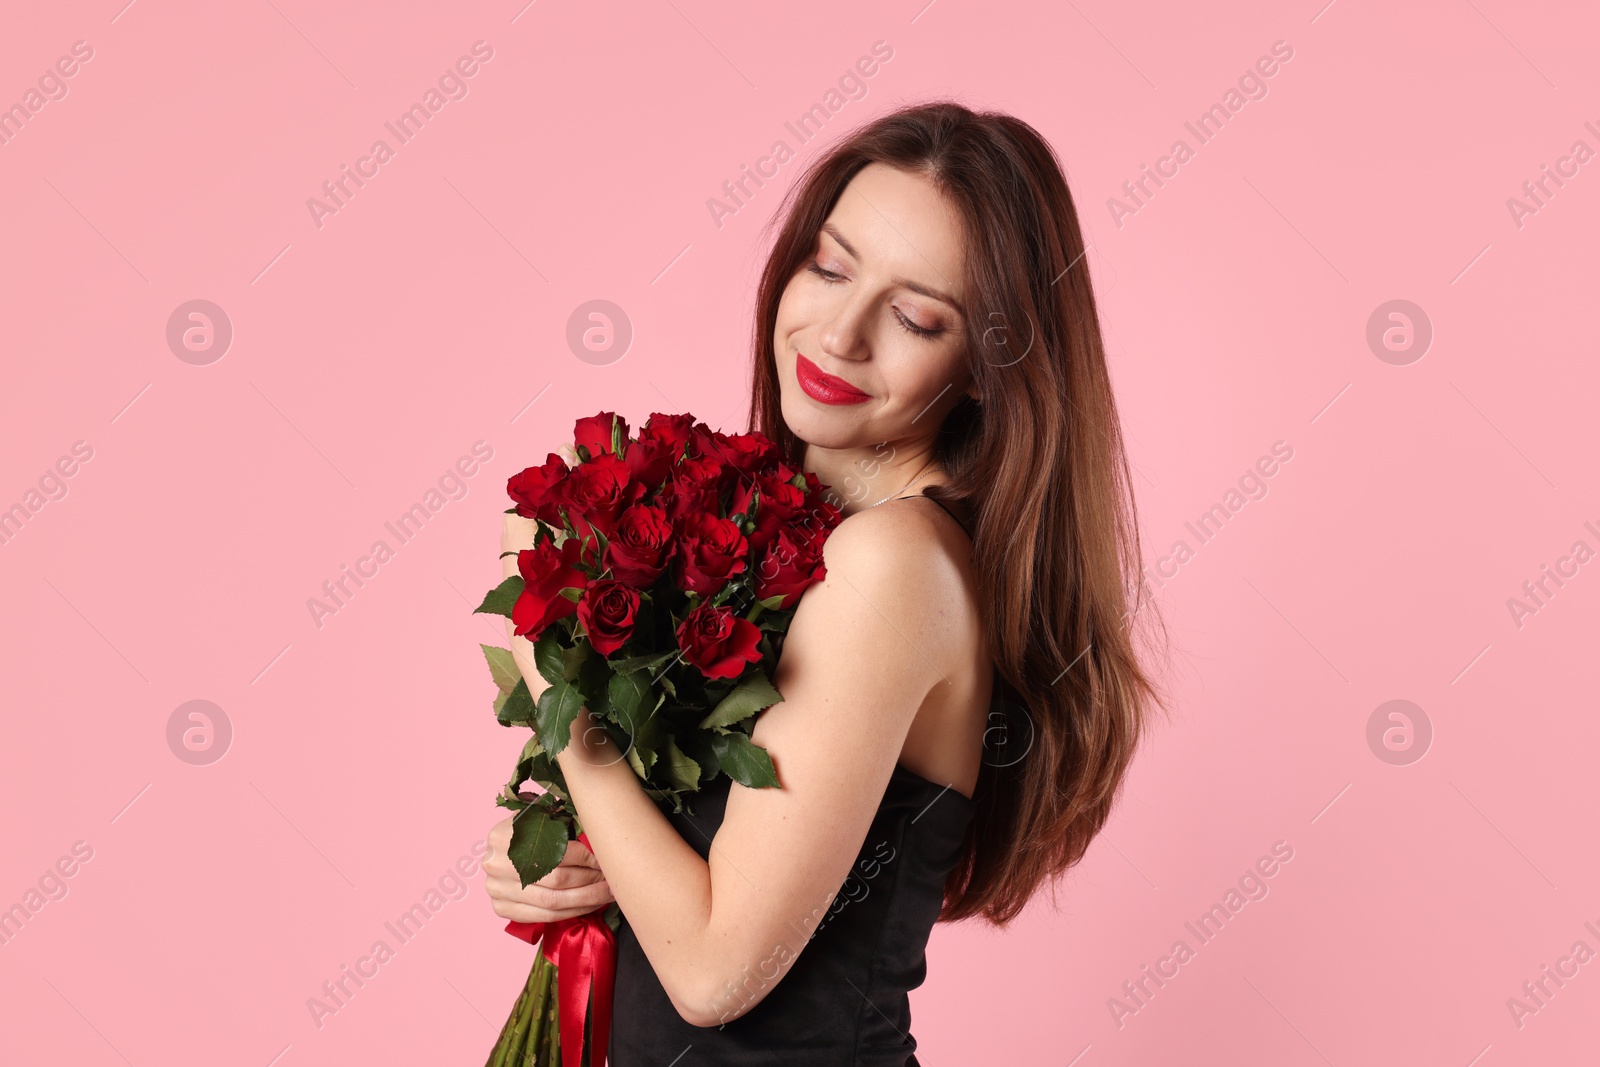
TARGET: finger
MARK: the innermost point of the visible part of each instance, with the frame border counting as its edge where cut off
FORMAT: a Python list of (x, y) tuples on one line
[(508, 882), (578, 855), (565, 876), (500, 837), (506, 893), (524, 913), (570, 877), (542, 896)]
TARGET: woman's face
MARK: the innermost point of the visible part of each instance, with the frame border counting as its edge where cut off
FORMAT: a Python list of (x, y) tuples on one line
[(878, 304)]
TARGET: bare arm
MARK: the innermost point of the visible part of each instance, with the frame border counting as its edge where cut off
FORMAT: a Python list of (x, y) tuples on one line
[(857, 664)]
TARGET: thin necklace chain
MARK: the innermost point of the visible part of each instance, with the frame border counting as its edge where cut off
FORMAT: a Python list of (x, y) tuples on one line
[(903, 488)]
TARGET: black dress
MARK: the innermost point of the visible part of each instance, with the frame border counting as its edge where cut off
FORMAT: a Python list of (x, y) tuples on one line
[(842, 1002)]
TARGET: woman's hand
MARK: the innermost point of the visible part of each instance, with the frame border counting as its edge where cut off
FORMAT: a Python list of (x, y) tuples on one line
[(576, 887)]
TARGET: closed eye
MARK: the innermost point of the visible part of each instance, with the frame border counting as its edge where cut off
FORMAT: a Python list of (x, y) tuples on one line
[(832, 278)]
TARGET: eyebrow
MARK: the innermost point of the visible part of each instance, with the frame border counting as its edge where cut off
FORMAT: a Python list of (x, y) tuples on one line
[(916, 287)]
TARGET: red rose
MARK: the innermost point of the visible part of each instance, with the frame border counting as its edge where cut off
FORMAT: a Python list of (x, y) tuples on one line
[(790, 565), (746, 452), (642, 547), (813, 522), (718, 642), (537, 491), (749, 451), (779, 502), (649, 462), (597, 492), (710, 551), (546, 570), (670, 431), (607, 612), (701, 440), (696, 486), (817, 521), (594, 432)]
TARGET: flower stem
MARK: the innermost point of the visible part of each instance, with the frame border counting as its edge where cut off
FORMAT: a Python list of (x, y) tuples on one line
[(508, 1047), (539, 1020)]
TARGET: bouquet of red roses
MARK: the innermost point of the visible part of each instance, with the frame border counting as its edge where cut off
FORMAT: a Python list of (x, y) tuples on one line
[(664, 573)]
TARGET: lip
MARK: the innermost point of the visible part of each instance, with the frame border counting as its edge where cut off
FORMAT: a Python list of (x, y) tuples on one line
[(823, 387)]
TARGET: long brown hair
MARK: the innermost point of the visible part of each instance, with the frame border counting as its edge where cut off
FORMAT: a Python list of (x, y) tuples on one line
[(1038, 462)]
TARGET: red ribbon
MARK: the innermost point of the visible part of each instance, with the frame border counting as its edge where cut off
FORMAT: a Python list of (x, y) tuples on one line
[(584, 950)]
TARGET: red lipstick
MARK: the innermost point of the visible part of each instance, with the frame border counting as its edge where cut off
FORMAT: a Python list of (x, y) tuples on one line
[(823, 387)]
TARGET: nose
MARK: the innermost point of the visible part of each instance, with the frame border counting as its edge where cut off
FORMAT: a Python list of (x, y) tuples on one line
[(844, 333)]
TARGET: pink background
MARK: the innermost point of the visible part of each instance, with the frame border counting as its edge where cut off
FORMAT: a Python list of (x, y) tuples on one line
[(430, 311)]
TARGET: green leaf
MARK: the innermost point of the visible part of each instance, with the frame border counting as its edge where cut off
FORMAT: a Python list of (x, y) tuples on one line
[(771, 602), (538, 845), (558, 706), (536, 766), (592, 677), (601, 541), (747, 698), (548, 656), (502, 598), (626, 695), (572, 593), (618, 438), (573, 659), (644, 746), (798, 481), (682, 772), (503, 667), (517, 708), (637, 762), (530, 749), (746, 519), (696, 744), (660, 795), (743, 761), (642, 663)]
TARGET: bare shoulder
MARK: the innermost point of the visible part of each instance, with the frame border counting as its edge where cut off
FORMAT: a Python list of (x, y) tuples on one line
[(907, 563), (910, 544)]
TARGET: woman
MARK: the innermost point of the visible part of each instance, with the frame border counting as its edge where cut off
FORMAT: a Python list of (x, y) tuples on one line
[(926, 340)]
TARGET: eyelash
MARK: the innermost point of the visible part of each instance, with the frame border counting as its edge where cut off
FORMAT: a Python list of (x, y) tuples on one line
[(831, 278)]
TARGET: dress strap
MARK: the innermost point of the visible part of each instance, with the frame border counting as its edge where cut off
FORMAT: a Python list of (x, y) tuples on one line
[(959, 521)]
